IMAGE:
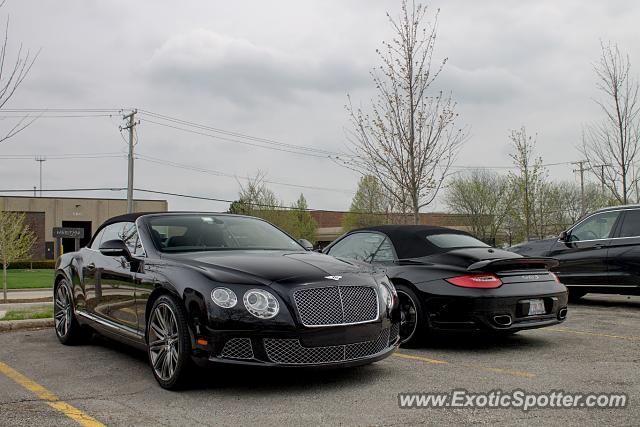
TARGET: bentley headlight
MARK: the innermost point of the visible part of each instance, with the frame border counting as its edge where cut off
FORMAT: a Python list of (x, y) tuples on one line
[(388, 292), (261, 303), (224, 297)]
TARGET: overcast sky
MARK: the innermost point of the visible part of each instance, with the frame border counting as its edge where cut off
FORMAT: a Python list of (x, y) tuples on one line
[(282, 70)]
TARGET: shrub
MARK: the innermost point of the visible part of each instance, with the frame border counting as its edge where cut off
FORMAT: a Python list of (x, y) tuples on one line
[(36, 264)]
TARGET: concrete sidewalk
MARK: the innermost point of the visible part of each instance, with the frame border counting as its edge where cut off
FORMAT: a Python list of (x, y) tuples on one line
[(28, 295)]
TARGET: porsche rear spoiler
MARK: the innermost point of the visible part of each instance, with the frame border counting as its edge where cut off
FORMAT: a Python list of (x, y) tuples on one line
[(513, 264)]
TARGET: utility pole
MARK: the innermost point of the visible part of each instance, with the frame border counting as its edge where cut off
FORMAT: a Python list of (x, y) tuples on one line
[(41, 159), (581, 169), (130, 126)]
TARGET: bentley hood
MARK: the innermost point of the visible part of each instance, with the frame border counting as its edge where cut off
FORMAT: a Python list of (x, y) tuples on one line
[(264, 267)]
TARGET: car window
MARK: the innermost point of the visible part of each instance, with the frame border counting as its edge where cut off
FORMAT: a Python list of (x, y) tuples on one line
[(358, 246), (630, 224), (385, 252), (452, 240), (125, 231), (598, 226), (184, 233), (95, 244)]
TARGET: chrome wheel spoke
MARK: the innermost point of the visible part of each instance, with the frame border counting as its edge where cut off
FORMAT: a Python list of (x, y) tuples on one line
[(62, 311), (163, 342)]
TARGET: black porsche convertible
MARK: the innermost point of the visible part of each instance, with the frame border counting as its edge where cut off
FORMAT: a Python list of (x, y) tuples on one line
[(194, 287), (448, 280)]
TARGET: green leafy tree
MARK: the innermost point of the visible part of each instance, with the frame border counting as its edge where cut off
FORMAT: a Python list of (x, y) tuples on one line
[(16, 241), (370, 205), (302, 225)]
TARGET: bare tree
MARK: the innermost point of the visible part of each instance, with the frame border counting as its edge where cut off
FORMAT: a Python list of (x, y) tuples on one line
[(16, 241), (12, 74), (614, 141), (256, 199), (484, 198), (409, 139), (528, 180)]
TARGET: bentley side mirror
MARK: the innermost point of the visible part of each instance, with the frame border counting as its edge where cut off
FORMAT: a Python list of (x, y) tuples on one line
[(564, 236), (115, 248), (306, 244)]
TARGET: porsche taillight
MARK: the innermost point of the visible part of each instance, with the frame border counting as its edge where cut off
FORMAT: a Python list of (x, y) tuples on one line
[(481, 281), (555, 277)]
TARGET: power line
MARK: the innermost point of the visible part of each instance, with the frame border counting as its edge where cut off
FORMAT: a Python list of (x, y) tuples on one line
[(63, 110), (223, 138), (57, 116), (223, 174), (242, 135), (182, 195), (61, 156)]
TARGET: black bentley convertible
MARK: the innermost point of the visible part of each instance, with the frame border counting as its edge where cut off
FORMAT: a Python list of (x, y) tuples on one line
[(192, 287), (448, 280)]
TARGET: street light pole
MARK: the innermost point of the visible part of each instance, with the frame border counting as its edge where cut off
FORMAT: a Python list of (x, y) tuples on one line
[(41, 159)]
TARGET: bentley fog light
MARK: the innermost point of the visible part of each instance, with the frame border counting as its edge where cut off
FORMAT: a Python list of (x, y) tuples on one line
[(224, 297), (261, 303)]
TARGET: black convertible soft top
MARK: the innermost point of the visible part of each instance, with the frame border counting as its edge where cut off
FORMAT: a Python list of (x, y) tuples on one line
[(130, 217), (410, 240)]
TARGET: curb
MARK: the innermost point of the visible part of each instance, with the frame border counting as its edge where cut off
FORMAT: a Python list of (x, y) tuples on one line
[(31, 289), (16, 325)]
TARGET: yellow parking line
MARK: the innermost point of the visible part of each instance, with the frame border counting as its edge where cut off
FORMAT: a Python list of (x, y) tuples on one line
[(521, 374), (51, 399), (595, 334)]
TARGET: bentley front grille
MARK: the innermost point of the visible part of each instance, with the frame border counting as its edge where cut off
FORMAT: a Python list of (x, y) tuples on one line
[(394, 332), (291, 352), (238, 348), (336, 305)]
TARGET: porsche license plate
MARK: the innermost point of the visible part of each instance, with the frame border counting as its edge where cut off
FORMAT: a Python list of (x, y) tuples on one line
[(536, 306)]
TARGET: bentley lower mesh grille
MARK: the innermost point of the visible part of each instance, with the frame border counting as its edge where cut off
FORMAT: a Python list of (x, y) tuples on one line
[(238, 348), (291, 352), (394, 331), (336, 305)]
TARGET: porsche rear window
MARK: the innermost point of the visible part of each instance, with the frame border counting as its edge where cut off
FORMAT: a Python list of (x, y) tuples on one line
[(451, 241)]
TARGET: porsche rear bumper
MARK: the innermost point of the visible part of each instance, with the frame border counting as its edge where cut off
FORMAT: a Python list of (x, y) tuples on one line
[(494, 313)]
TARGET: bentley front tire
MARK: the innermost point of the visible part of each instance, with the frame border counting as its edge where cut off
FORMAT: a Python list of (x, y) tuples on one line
[(169, 343)]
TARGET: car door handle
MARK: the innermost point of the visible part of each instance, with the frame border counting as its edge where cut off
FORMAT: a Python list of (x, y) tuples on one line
[(599, 245), (91, 267)]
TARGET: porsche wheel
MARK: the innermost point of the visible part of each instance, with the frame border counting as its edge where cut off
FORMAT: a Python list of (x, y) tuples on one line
[(412, 317), (168, 343)]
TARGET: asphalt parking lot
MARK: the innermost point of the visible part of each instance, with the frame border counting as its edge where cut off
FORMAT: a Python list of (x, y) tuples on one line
[(595, 350)]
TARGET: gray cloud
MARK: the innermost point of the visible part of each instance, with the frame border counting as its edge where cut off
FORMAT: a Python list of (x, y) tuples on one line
[(243, 72)]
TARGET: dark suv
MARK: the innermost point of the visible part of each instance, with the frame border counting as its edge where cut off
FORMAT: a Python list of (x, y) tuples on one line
[(600, 253)]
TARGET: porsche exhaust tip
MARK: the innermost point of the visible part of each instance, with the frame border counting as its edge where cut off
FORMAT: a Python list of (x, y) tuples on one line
[(502, 320), (562, 314)]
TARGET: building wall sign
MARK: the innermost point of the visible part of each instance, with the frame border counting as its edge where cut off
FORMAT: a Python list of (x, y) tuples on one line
[(68, 233)]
